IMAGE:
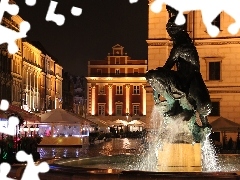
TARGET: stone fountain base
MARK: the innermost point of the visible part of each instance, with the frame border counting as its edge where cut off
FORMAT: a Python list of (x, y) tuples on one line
[(179, 157)]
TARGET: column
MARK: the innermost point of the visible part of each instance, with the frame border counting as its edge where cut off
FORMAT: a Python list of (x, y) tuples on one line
[(34, 75), (27, 86), (30, 92), (93, 99), (110, 99), (127, 97), (144, 99), (37, 103)]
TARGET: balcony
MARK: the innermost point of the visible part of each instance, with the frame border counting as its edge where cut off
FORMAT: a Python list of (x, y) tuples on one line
[(118, 75)]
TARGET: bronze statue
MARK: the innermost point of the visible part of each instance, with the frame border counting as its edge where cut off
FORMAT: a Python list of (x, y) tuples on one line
[(184, 89)]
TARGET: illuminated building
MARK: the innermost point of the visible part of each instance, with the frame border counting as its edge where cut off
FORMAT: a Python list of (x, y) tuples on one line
[(116, 87), (219, 59), (30, 79)]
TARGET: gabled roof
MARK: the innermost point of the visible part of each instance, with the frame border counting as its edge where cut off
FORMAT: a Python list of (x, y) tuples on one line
[(117, 46), (223, 124)]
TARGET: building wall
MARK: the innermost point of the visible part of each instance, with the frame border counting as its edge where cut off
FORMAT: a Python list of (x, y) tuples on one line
[(31, 76), (104, 79), (224, 48), (23, 74)]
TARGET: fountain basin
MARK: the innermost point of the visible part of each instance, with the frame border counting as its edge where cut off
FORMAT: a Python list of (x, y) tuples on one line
[(132, 162)]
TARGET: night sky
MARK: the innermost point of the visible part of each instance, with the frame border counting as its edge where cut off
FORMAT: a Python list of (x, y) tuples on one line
[(102, 24)]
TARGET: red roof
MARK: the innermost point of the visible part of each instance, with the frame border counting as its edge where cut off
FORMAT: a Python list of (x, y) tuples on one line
[(27, 116)]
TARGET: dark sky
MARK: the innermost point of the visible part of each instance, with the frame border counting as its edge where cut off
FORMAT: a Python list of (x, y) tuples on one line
[(102, 24)]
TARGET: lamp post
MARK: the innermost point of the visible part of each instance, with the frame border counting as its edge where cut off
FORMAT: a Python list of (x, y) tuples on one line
[(32, 129), (25, 130)]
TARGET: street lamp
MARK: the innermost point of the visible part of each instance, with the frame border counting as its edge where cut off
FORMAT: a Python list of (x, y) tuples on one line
[(31, 129), (25, 130)]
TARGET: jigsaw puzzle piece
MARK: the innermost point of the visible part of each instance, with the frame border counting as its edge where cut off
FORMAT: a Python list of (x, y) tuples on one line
[(30, 2), (232, 9), (4, 105), (10, 36), (12, 9), (4, 170), (133, 1), (51, 16), (156, 6), (10, 129), (31, 171)]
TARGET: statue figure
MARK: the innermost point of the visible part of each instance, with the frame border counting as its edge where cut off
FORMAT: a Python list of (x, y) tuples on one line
[(183, 89)]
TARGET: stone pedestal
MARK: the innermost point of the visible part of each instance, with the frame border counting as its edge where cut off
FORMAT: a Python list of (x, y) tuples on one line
[(180, 157)]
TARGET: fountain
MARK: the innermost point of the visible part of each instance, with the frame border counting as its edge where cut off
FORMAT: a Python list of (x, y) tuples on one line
[(182, 134), (177, 145)]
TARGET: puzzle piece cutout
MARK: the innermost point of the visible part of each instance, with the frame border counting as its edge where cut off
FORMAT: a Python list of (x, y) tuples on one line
[(133, 1), (208, 12), (10, 36), (4, 170), (10, 129), (4, 105), (31, 171), (12, 121), (30, 2), (59, 19)]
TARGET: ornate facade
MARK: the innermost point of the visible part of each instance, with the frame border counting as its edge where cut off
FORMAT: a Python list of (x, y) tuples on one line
[(219, 59), (116, 87), (30, 78)]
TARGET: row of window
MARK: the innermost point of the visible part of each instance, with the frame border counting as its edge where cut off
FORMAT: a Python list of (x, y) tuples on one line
[(117, 71), (119, 90), (214, 69), (119, 110)]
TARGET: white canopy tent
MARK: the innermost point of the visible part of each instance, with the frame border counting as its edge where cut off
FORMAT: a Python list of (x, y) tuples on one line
[(61, 116), (59, 122)]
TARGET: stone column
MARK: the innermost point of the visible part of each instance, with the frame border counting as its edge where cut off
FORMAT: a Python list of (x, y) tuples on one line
[(144, 99), (30, 92), (34, 75), (27, 86), (127, 97), (149, 104), (110, 99), (37, 92), (93, 99)]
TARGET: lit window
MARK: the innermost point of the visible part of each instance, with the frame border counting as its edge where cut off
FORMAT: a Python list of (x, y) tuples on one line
[(215, 109), (214, 71), (136, 109), (101, 109), (136, 89), (119, 90), (118, 110), (213, 68)]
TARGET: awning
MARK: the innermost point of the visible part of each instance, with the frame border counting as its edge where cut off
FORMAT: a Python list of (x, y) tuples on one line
[(225, 125), (61, 116), (27, 116)]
